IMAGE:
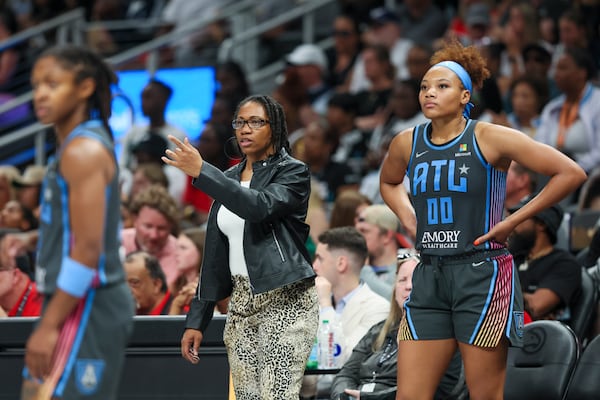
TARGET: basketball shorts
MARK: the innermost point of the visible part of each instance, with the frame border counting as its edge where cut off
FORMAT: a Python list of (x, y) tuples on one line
[(474, 298), (90, 351)]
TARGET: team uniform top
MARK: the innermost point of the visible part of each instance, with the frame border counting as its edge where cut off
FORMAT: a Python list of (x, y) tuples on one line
[(55, 236), (457, 195)]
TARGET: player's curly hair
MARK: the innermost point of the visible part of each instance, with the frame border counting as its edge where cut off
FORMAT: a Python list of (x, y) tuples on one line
[(468, 57)]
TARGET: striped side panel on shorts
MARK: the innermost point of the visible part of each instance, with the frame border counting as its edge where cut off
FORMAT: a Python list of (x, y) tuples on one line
[(67, 347), (404, 331), (494, 316)]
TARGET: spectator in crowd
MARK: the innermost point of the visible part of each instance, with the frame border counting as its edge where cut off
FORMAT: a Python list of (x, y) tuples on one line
[(14, 72), (102, 40), (528, 96), (149, 150), (8, 174), (371, 368), (571, 122), (309, 62), (521, 29), (359, 9), (317, 217), (156, 220), (402, 111), (371, 101), (126, 216), (421, 20), (550, 277), (154, 100), (274, 43), (15, 215), (331, 177), (222, 110), (380, 227), (144, 175), (417, 60), (344, 53), (340, 256), (478, 25), (291, 93), (537, 61), (147, 282), (181, 302), (190, 249), (347, 207), (370, 372), (10, 57), (487, 99), (190, 243), (351, 141), (232, 81), (384, 29), (521, 183), (198, 47), (18, 293), (29, 187), (572, 33)]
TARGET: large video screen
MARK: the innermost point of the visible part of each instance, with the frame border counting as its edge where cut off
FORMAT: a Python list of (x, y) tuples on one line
[(189, 107)]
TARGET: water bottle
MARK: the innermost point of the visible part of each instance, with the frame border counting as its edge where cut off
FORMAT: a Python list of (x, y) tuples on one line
[(326, 346), (313, 358), (336, 327)]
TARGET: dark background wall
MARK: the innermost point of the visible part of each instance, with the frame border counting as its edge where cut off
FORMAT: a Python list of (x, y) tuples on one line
[(154, 368)]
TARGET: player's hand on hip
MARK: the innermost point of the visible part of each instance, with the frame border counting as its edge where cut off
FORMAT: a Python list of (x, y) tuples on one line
[(499, 233)]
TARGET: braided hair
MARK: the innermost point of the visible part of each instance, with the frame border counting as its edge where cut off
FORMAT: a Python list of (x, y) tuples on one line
[(276, 116), (87, 64)]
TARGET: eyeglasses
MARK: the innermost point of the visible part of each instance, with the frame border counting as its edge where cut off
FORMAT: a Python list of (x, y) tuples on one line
[(253, 123)]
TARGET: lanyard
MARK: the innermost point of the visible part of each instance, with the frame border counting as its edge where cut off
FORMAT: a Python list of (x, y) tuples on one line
[(24, 301)]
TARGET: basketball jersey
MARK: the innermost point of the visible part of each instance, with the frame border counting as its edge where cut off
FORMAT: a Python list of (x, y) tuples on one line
[(55, 236), (457, 195)]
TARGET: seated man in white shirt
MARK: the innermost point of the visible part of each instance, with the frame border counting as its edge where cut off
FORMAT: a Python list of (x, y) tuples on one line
[(343, 297)]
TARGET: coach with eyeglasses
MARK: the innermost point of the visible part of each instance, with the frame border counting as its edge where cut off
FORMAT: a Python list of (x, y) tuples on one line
[(255, 253)]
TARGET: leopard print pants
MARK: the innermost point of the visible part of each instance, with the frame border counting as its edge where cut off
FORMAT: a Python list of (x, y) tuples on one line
[(268, 338)]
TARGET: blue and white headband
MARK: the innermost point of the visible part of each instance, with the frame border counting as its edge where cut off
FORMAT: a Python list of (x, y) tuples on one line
[(465, 79)]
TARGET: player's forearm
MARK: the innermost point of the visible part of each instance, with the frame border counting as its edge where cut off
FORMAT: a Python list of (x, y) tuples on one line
[(58, 309), (396, 197)]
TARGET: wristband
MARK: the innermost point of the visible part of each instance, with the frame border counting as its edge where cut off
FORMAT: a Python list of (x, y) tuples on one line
[(75, 278)]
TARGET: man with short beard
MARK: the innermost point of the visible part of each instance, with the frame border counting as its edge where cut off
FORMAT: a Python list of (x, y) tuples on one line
[(550, 277)]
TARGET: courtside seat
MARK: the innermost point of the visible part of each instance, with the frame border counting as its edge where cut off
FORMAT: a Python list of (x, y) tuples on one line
[(542, 368), (585, 384), (583, 312)]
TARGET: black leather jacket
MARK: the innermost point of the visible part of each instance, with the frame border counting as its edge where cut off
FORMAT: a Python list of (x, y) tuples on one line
[(274, 210)]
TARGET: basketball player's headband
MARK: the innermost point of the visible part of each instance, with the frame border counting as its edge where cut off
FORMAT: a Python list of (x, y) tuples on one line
[(465, 79)]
